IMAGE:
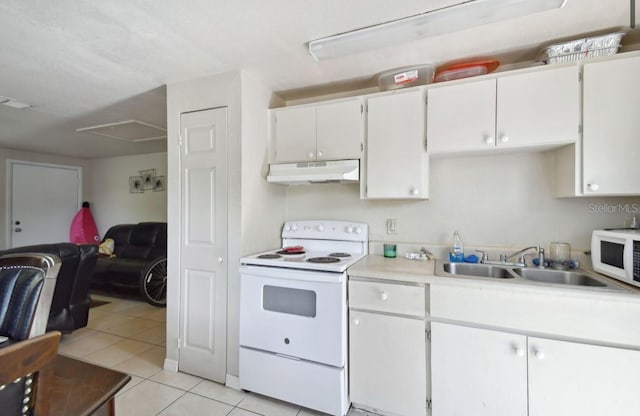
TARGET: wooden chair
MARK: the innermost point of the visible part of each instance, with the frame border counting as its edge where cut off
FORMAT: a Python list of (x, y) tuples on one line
[(26, 375)]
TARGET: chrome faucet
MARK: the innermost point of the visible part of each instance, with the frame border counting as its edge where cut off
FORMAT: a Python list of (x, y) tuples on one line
[(522, 253), (504, 258)]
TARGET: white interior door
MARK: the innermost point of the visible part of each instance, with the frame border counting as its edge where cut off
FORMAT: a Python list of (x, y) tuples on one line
[(203, 247), (44, 200)]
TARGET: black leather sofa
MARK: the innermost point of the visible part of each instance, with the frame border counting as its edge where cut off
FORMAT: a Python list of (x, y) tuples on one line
[(137, 248), (70, 304)]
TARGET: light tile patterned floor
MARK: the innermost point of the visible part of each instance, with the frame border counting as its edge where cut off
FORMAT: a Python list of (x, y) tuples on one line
[(129, 336)]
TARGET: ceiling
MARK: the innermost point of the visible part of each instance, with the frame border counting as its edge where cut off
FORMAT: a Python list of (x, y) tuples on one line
[(82, 63)]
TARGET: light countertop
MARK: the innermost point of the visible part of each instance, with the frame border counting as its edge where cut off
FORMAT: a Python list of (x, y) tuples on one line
[(402, 270)]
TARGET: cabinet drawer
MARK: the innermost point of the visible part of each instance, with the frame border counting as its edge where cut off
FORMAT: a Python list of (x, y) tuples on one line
[(387, 297)]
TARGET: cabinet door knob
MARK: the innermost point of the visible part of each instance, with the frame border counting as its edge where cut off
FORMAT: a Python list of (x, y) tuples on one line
[(593, 186), (310, 155), (384, 296), (488, 140), (414, 191), (356, 322), (220, 260), (519, 351), (504, 139), (320, 154), (538, 354)]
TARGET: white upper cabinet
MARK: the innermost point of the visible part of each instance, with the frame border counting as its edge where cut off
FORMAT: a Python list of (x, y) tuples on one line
[(397, 163), (462, 117), (324, 131), (611, 136), (527, 109), (539, 108)]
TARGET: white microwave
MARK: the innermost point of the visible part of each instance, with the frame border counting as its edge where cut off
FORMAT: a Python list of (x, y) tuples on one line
[(616, 253)]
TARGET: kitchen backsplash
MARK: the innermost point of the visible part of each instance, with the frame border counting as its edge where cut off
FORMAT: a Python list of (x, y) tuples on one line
[(501, 201)]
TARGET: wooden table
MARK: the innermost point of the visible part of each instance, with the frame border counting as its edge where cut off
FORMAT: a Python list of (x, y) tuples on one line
[(83, 389)]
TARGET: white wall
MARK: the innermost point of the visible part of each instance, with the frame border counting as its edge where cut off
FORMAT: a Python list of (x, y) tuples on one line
[(6, 154), (112, 203), (501, 201), (262, 204)]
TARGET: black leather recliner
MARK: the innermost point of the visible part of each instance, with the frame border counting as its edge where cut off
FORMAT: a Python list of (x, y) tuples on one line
[(137, 249), (70, 304)]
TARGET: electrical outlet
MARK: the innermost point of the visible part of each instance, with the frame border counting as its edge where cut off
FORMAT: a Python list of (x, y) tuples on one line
[(392, 226)]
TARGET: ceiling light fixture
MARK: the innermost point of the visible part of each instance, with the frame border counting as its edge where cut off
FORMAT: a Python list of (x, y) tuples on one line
[(10, 102), (449, 19)]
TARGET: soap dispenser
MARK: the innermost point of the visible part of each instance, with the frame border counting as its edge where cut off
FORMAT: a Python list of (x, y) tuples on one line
[(456, 255)]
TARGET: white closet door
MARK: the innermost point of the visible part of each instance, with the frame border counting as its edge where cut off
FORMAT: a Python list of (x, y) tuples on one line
[(203, 256)]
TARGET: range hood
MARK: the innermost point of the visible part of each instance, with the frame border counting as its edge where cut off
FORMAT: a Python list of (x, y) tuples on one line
[(343, 171)]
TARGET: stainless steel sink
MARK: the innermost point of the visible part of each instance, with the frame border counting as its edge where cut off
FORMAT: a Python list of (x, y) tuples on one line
[(558, 277), (523, 275), (477, 270)]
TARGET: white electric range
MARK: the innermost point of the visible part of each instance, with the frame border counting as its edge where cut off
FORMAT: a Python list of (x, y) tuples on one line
[(293, 315)]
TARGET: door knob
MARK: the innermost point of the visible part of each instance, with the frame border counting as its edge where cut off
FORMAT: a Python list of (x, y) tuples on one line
[(220, 260), (356, 322), (504, 139), (320, 154), (593, 186), (384, 296), (488, 140), (519, 351), (18, 229)]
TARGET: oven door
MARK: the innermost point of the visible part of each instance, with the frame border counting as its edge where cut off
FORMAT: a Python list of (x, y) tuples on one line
[(296, 313)]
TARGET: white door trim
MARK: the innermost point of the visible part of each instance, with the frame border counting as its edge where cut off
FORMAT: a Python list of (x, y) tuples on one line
[(9, 189)]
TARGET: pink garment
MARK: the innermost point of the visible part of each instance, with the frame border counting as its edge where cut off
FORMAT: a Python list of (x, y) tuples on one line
[(83, 227)]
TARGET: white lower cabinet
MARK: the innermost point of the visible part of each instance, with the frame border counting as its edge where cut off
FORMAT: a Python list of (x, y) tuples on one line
[(387, 367), (485, 372), (477, 372), (568, 378)]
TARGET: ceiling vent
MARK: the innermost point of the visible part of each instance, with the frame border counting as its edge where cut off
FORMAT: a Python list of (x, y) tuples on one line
[(128, 131), (10, 102)]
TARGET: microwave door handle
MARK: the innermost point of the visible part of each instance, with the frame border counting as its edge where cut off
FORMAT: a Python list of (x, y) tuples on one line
[(627, 260)]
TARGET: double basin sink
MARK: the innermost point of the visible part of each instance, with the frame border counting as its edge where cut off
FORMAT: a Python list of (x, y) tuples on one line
[(522, 274)]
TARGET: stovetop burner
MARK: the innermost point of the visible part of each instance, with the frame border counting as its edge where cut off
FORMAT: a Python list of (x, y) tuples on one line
[(323, 260), (290, 253), (339, 255), (269, 256)]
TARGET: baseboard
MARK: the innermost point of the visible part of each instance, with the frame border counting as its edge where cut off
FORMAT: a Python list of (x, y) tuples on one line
[(233, 382), (171, 365)]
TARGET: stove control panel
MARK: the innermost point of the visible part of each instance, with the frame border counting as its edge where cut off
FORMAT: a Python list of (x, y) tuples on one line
[(326, 230)]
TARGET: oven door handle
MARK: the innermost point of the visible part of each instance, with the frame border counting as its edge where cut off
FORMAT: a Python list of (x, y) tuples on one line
[(288, 357), (291, 274)]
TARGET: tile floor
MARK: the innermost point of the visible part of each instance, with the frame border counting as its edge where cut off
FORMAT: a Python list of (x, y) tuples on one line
[(129, 336)]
